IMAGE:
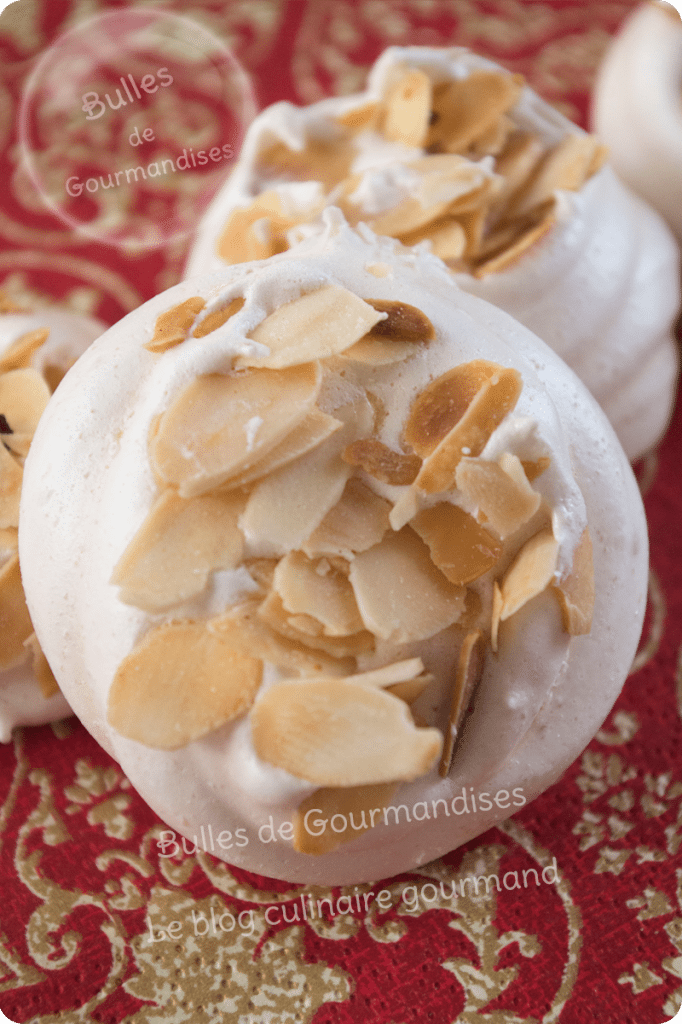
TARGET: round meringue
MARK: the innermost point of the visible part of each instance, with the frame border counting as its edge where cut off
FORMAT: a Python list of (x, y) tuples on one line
[(109, 443)]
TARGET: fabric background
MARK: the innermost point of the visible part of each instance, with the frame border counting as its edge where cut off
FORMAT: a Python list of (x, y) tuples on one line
[(81, 875)]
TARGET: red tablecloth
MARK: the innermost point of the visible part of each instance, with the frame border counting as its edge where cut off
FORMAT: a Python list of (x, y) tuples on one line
[(83, 887)]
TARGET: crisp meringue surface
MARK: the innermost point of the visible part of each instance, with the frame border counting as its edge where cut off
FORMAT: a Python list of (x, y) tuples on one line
[(89, 485), (601, 288)]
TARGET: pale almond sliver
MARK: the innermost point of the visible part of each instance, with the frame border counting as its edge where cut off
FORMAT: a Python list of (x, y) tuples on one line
[(241, 240), (389, 675), (530, 573), (333, 734), (382, 462), (407, 109), (576, 592), (212, 321), (359, 808), (221, 424), (461, 548), (19, 444), (23, 398), (358, 521), (11, 477), (523, 239), (172, 326), (321, 323), (180, 543), (500, 491), (180, 683), (566, 166), (307, 631), (316, 588), (41, 668), (466, 109), (447, 236), (15, 622), (498, 605), (468, 674), (18, 355)]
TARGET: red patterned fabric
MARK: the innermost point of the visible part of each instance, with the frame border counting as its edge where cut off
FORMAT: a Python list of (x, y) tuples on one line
[(88, 900)]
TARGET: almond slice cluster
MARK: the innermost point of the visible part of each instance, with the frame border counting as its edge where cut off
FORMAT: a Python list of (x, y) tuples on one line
[(256, 478), (480, 221)]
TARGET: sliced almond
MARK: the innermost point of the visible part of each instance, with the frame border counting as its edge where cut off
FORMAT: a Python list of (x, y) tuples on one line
[(499, 490), (388, 675), (11, 477), (461, 548), (498, 605), (314, 587), (255, 232), (533, 468), (492, 141), (23, 398), (41, 669), (327, 161), (316, 325), (530, 573), (467, 677), (358, 521), (411, 690), (207, 434), (382, 462), (517, 239), (353, 809), (15, 622), (247, 633), (262, 571), (447, 236), (286, 507), (18, 355), (212, 321), (400, 593), (516, 162), (341, 734), (566, 166), (576, 591), (466, 109), (373, 352), (307, 630), (181, 542), (180, 683), (18, 444), (9, 542), (172, 326), (408, 109), (361, 118)]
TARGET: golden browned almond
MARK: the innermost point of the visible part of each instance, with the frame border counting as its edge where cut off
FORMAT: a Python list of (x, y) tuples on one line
[(358, 521), (447, 236), (341, 734), (255, 232), (181, 682), (306, 630), (15, 622), (244, 631), (11, 476), (361, 118), (506, 248), (499, 490), (9, 540), (382, 462), (408, 109), (212, 321), (316, 325), (221, 424), (314, 587), (498, 604), (530, 573), (403, 322), (576, 591), (262, 571), (388, 675), (461, 548), (468, 108), (23, 397), (18, 355), (41, 669), (181, 542), (493, 141), (400, 593), (172, 326), (359, 807), (325, 161), (467, 677), (567, 165), (18, 444), (533, 468)]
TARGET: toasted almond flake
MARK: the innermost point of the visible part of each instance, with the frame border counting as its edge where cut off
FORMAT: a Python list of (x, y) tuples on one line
[(461, 548), (286, 507), (41, 669), (405, 509), (408, 109), (499, 490), (468, 675), (313, 587), (360, 808), (23, 397), (9, 542), (400, 593), (576, 591), (241, 241), (516, 163), (15, 622), (411, 690), (465, 109), (358, 521), (533, 468), (180, 683), (473, 224), (18, 444), (18, 356), (374, 352), (212, 321), (314, 429), (11, 476), (361, 118), (382, 462), (325, 161), (172, 326), (388, 675), (246, 632), (334, 734), (447, 236), (403, 322), (444, 406), (180, 543), (307, 631), (471, 617), (530, 573), (566, 166), (316, 325), (378, 269), (262, 571), (523, 239), (498, 604), (201, 439), (493, 140)]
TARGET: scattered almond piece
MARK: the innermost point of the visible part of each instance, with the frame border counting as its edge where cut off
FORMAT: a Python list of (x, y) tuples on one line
[(576, 591), (533, 468), (530, 573), (360, 118), (172, 326), (315, 588), (403, 322), (307, 630), (341, 734), (359, 806), (9, 542), (496, 257), (466, 109), (327, 161), (382, 462), (207, 436), (23, 398), (398, 672), (498, 604), (447, 236), (180, 683), (468, 675), (566, 166), (11, 477), (461, 548), (400, 593), (358, 521), (499, 490), (15, 622), (255, 232), (41, 669), (18, 355), (408, 109), (212, 321)]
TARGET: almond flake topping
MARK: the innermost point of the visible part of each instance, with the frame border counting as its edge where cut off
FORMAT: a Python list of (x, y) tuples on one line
[(23, 398), (467, 677), (307, 630), (358, 521), (212, 321), (360, 806), (11, 477), (370, 737), (567, 165), (316, 325), (15, 622), (180, 543), (530, 573), (201, 440), (255, 232), (401, 594), (465, 109), (382, 462), (576, 592), (41, 669), (181, 682), (18, 356), (315, 588), (172, 326), (408, 109), (500, 490), (461, 548), (394, 338)]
